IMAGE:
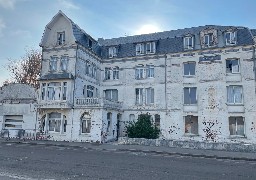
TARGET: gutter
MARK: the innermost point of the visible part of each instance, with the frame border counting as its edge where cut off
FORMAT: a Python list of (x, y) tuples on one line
[(165, 83)]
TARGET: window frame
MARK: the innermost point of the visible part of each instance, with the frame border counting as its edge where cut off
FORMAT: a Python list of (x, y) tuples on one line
[(150, 92), (150, 47), (236, 126), (209, 40), (54, 120), (140, 49), (189, 95), (187, 44), (150, 70), (232, 69), (45, 91), (111, 94), (232, 38), (53, 64), (190, 118), (234, 95), (116, 73), (61, 38), (107, 73), (112, 52), (189, 63), (62, 60), (139, 97)]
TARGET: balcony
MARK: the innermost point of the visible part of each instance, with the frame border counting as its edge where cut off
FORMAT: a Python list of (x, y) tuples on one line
[(54, 104), (98, 102)]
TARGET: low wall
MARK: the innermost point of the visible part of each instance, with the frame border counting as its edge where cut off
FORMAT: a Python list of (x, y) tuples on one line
[(236, 147)]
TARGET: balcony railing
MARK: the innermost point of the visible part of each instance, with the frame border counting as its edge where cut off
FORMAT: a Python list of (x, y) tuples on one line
[(98, 102)]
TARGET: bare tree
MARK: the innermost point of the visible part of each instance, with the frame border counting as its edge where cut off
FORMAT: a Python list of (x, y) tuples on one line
[(27, 69)]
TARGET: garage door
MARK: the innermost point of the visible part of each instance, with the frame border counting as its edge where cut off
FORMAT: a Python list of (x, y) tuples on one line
[(13, 122)]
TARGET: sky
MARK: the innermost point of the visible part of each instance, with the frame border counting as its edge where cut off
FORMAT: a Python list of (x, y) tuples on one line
[(22, 22)]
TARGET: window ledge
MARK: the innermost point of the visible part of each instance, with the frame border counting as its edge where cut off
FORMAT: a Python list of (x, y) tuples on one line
[(189, 76), (233, 104), (86, 134), (189, 104), (233, 74), (237, 137), (191, 135)]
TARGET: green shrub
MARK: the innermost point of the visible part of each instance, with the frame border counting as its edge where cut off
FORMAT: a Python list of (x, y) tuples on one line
[(142, 128)]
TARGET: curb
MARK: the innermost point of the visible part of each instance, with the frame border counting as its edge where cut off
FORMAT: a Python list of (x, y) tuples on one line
[(134, 150)]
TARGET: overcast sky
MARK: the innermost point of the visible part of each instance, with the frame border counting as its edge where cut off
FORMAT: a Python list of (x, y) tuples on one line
[(22, 22)]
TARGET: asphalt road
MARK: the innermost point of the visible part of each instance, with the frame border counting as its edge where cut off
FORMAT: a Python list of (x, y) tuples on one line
[(30, 162)]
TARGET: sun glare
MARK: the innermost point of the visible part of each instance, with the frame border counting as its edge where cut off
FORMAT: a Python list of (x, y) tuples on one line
[(147, 29)]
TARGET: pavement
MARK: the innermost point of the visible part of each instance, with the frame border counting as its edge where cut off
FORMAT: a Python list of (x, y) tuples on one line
[(114, 146)]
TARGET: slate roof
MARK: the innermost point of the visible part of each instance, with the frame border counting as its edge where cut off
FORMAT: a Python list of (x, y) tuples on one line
[(253, 32), (57, 76), (170, 41)]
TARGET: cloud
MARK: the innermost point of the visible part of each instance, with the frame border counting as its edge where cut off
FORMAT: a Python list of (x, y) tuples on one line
[(7, 4), (2, 26), (68, 4)]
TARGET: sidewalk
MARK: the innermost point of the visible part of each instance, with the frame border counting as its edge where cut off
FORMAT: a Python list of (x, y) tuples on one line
[(113, 146)]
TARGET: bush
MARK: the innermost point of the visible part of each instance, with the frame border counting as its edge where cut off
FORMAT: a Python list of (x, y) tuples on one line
[(143, 128)]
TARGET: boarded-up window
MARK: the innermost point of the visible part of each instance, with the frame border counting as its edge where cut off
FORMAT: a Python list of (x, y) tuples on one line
[(191, 125), (236, 126), (13, 122)]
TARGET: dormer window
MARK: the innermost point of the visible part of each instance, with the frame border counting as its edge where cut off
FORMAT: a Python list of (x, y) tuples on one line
[(90, 43), (150, 48), (230, 38), (208, 40), (112, 52), (139, 49), (61, 38), (189, 42)]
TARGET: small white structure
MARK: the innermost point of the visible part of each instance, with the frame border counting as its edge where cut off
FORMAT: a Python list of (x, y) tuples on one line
[(17, 111)]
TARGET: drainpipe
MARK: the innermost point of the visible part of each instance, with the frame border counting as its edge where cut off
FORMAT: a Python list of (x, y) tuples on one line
[(73, 97), (165, 83)]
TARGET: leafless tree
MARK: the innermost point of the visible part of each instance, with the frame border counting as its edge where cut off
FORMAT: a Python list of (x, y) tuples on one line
[(26, 70)]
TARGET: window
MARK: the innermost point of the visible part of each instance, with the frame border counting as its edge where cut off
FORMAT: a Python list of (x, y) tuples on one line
[(53, 64), (64, 92), (13, 121), (64, 63), (235, 95), (87, 64), (189, 68), (90, 43), (139, 49), (109, 119), (150, 71), (236, 126), (112, 52), (43, 92), (64, 124), (54, 122), (190, 95), (139, 96), (111, 94), (61, 38), (131, 117), (54, 91), (90, 90), (116, 73), (149, 96), (191, 125), (157, 121), (208, 40), (86, 123), (150, 48), (189, 42), (139, 73), (107, 73), (232, 66), (230, 38)]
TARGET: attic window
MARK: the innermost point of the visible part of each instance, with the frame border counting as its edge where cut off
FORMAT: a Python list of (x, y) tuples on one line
[(230, 38), (90, 43), (61, 38)]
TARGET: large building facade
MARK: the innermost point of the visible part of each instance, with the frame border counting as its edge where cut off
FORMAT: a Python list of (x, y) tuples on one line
[(196, 83)]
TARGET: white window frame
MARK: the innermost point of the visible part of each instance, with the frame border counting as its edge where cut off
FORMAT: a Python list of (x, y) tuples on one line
[(232, 98), (189, 73), (56, 121), (140, 49), (116, 73), (107, 73), (209, 42), (233, 66), (53, 64), (236, 126), (139, 93), (46, 90), (60, 38), (189, 95), (112, 52), (150, 48), (64, 63), (140, 73), (150, 96), (232, 38), (150, 71), (187, 42), (109, 94)]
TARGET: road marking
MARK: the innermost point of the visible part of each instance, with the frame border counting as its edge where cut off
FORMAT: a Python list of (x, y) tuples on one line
[(17, 176)]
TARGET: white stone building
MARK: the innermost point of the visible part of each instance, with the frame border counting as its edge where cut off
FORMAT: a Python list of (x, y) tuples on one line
[(197, 83), (18, 111)]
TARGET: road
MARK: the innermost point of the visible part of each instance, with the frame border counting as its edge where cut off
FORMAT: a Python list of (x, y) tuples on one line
[(31, 162)]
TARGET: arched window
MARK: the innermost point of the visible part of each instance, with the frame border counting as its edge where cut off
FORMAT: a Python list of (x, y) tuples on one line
[(54, 122), (85, 123)]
